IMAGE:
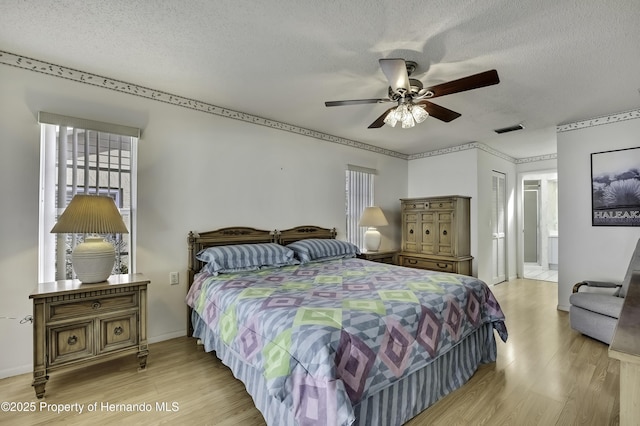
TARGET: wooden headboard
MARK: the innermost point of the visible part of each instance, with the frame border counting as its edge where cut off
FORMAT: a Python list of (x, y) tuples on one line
[(244, 235), (298, 233), (222, 237)]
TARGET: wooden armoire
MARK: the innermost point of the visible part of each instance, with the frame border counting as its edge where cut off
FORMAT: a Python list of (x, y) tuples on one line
[(436, 234)]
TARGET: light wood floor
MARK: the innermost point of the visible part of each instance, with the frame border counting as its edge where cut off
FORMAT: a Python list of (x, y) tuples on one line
[(546, 374)]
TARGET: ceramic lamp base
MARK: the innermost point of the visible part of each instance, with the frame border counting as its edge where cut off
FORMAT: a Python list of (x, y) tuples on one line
[(372, 239), (93, 260)]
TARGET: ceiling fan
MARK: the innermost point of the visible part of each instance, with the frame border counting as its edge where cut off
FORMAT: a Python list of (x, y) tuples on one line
[(411, 96)]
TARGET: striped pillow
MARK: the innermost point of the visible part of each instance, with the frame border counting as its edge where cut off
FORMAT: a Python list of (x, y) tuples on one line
[(245, 257), (314, 249)]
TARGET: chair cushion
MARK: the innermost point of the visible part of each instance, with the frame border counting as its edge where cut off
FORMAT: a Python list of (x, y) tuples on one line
[(599, 303), (600, 327)]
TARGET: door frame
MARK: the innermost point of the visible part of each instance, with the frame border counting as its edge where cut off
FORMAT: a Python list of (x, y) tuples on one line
[(505, 255)]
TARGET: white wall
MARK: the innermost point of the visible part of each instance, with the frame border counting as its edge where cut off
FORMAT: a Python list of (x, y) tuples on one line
[(196, 171), (469, 173), (19, 165), (585, 251)]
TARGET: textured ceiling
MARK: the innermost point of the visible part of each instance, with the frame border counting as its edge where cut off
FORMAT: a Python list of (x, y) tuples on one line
[(558, 61)]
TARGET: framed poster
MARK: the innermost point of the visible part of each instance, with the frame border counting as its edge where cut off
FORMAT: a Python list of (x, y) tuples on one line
[(615, 187)]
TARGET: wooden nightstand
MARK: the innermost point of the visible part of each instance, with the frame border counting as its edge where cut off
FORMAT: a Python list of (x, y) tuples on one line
[(75, 323), (386, 256)]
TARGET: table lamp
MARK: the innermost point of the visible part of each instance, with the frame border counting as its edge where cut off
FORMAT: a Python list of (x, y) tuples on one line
[(93, 259), (372, 217)]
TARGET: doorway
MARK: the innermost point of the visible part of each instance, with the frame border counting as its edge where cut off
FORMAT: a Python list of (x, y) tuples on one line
[(531, 217), (539, 218)]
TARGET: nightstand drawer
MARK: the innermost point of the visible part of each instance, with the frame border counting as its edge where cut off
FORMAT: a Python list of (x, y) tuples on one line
[(433, 265), (71, 342), (118, 332), (92, 306)]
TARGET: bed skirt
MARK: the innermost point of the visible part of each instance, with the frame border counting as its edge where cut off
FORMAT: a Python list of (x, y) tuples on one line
[(393, 405)]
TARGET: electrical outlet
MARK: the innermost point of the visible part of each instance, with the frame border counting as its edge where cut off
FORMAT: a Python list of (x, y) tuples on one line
[(174, 278)]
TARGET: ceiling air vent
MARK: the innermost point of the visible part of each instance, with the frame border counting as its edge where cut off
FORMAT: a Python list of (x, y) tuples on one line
[(509, 129)]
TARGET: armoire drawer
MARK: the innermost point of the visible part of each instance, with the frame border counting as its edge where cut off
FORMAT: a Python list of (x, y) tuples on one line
[(433, 265), (440, 205), (417, 205)]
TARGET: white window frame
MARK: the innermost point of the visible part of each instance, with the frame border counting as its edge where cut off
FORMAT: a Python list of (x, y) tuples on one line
[(50, 175), (360, 185)]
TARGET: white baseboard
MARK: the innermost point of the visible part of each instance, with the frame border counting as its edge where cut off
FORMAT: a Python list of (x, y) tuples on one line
[(22, 369), (167, 336), (562, 308), (16, 371)]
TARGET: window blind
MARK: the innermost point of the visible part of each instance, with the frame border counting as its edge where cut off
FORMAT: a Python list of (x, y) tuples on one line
[(88, 157), (359, 190)]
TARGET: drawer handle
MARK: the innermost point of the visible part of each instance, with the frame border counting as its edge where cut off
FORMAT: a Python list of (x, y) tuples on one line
[(441, 204), (411, 231), (444, 232), (96, 305), (72, 340), (118, 331), (427, 232), (412, 261), (442, 265)]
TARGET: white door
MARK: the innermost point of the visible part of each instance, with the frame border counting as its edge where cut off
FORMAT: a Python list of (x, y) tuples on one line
[(498, 220)]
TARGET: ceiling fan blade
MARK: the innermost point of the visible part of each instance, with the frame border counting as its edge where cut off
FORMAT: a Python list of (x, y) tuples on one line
[(380, 120), (356, 102), (439, 112), (396, 72), (475, 81)]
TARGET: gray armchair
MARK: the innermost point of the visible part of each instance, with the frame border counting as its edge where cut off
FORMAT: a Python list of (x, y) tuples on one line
[(595, 313)]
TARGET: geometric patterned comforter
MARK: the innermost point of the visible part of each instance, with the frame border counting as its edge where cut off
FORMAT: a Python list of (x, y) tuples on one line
[(326, 335)]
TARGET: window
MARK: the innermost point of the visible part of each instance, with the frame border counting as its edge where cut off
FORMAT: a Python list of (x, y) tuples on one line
[(359, 189), (84, 157)]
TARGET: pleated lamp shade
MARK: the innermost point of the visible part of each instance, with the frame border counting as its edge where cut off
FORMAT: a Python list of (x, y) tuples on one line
[(93, 259)]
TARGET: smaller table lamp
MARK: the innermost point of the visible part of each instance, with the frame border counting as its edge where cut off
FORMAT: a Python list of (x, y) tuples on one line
[(372, 217), (93, 259)]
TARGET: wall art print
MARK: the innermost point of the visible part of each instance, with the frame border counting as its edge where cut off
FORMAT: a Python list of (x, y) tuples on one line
[(615, 187)]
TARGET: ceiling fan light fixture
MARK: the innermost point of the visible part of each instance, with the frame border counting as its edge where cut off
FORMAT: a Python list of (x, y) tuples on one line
[(390, 119), (407, 114), (401, 112), (408, 121), (419, 113)]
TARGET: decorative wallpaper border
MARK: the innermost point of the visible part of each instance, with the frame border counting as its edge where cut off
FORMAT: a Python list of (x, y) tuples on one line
[(443, 151), (464, 147), (42, 67), (536, 158), (160, 96), (599, 121)]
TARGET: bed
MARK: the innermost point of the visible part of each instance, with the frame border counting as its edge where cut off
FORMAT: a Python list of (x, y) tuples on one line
[(326, 338)]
